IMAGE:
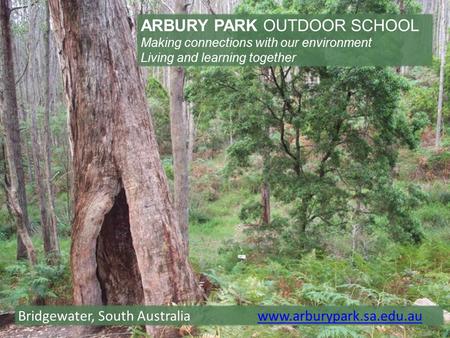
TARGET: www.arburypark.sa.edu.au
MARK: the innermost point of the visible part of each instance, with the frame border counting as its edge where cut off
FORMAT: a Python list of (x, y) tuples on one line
[(227, 315)]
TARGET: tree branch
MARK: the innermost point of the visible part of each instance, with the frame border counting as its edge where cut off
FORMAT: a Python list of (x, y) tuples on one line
[(23, 7), (167, 6), (208, 6)]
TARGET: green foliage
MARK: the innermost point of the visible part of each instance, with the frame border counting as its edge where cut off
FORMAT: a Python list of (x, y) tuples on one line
[(327, 6), (7, 227), (158, 100), (435, 215), (138, 332), (397, 205), (197, 216), (347, 129), (439, 193), (251, 212), (398, 275), (326, 138), (372, 296), (339, 331), (248, 291), (439, 161), (325, 295), (433, 285), (168, 167), (422, 99), (27, 284)]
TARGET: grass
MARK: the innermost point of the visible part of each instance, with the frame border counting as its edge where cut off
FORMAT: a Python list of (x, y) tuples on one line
[(396, 274), (223, 224)]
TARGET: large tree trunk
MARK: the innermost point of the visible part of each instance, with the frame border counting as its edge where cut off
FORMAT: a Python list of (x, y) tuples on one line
[(443, 49), (179, 136), (127, 247), (8, 102)]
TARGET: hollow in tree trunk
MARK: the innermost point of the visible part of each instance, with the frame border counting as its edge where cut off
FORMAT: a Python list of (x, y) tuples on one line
[(127, 247)]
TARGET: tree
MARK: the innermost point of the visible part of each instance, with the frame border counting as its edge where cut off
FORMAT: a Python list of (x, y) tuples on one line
[(127, 247), (39, 97), (8, 100), (180, 143), (332, 143), (442, 55), (334, 134), (51, 244)]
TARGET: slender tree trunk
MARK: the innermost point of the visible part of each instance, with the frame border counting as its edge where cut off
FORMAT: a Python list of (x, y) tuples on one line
[(22, 113), (356, 227), (40, 189), (51, 244), (8, 99), (179, 135), (437, 28), (127, 247), (191, 133), (265, 198), (401, 5), (443, 50), (40, 151), (265, 188)]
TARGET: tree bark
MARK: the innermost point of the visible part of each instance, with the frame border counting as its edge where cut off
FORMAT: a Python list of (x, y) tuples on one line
[(265, 199), (40, 189), (265, 188), (8, 99), (125, 234), (191, 132), (266, 155), (51, 244), (443, 51), (179, 136)]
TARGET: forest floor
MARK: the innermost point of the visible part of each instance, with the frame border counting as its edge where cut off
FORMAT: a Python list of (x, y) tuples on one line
[(388, 274)]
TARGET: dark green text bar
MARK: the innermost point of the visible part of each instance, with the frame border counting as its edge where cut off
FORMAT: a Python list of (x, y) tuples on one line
[(263, 40), (228, 315)]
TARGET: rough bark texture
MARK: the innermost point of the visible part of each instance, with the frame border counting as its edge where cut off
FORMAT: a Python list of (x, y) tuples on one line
[(119, 183), (8, 103), (179, 136)]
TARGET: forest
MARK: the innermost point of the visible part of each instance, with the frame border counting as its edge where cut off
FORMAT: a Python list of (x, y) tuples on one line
[(268, 185)]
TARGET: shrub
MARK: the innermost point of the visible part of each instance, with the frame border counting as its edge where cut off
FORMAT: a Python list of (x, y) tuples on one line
[(7, 228), (434, 215), (39, 284)]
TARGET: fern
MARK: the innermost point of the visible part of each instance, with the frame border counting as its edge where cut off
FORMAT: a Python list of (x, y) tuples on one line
[(325, 295), (374, 297), (30, 283)]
